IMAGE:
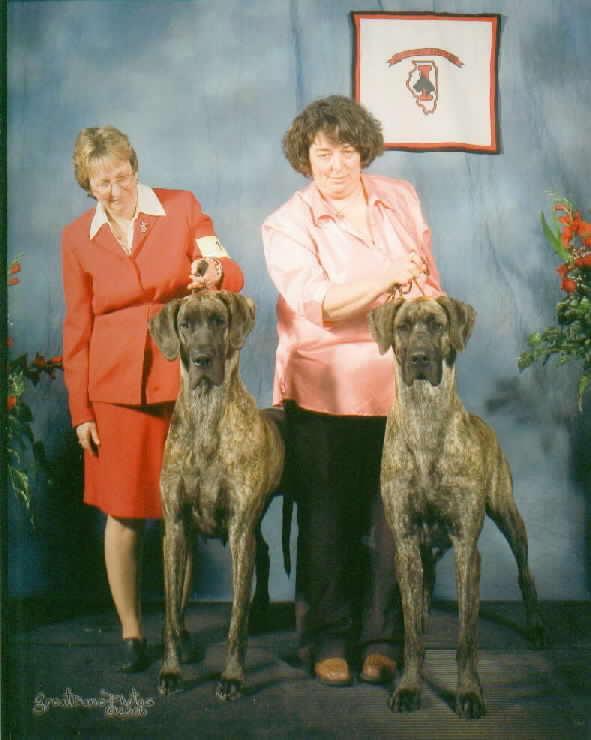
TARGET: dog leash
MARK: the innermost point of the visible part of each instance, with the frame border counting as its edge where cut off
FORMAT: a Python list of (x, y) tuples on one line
[(402, 289)]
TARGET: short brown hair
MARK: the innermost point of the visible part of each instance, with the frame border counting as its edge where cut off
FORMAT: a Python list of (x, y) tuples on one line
[(93, 144), (342, 120)]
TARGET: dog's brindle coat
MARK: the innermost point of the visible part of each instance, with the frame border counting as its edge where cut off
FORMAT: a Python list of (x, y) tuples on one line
[(222, 461), (442, 471)]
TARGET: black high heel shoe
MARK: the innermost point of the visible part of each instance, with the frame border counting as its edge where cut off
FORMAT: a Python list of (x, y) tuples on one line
[(135, 656)]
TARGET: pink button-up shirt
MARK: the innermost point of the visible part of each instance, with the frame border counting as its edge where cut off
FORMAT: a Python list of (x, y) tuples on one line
[(336, 368)]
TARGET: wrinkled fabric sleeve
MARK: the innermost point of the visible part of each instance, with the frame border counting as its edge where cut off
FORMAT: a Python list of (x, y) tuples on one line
[(295, 269), (77, 329), (233, 278), (202, 228)]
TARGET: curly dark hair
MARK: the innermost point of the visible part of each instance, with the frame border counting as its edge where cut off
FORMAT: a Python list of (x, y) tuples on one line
[(343, 121)]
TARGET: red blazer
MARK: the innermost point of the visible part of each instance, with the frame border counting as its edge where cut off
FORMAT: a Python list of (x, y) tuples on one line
[(108, 352)]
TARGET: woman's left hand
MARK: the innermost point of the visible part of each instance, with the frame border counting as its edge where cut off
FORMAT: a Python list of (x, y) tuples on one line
[(206, 274)]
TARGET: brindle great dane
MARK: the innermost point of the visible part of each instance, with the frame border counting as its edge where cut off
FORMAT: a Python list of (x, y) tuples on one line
[(222, 462), (442, 471)]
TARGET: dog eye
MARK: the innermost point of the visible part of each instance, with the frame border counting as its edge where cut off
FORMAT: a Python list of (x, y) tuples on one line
[(403, 327), (184, 324), (435, 325)]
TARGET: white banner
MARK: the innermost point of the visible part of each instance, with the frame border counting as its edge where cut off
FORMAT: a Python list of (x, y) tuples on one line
[(430, 78)]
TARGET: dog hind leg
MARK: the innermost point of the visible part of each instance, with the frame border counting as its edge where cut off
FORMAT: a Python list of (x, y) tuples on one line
[(509, 521), (429, 560), (185, 644), (259, 607)]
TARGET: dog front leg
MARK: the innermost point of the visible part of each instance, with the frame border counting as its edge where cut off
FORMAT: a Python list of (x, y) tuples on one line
[(469, 697), (409, 572), (175, 549), (242, 545)]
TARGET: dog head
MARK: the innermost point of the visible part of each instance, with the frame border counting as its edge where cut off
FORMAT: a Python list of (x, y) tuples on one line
[(424, 333), (205, 329)]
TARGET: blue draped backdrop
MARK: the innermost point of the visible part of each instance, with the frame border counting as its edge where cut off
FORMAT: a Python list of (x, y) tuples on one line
[(205, 89)]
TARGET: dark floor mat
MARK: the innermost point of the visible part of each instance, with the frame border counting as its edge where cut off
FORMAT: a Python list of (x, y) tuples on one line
[(60, 682)]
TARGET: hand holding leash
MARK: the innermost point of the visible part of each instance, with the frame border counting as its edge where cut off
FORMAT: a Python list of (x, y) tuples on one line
[(419, 273), (206, 274)]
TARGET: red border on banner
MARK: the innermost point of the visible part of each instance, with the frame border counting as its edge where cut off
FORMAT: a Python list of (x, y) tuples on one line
[(493, 19)]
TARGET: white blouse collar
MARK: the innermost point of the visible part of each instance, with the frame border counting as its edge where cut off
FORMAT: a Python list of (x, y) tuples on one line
[(147, 203)]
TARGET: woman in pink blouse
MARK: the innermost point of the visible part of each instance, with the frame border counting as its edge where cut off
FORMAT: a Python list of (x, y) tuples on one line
[(335, 250)]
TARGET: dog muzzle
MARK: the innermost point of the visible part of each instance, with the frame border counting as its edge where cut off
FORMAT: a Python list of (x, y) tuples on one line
[(421, 365), (205, 369)]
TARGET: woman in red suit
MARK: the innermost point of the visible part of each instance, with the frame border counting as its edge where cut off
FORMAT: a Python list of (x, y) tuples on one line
[(122, 261)]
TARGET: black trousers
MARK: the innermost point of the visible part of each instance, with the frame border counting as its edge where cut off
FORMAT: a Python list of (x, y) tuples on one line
[(347, 602)]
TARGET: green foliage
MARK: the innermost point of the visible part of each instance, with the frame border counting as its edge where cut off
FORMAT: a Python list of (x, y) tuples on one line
[(554, 240), (570, 339), (25, 454)]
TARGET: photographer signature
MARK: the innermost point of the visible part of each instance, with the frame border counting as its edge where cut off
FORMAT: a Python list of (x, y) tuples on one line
[(115, 706)]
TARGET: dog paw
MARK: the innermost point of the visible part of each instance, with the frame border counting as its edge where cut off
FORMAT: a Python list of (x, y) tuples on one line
[(470, 705), (405, 700), (170, 683), (228, 689)]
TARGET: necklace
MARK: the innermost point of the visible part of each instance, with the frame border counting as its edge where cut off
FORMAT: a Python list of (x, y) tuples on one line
[(355, 214), (120, 230), (351, 204)]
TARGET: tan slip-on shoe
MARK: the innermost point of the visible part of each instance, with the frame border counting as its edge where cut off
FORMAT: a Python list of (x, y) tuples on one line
[(378, 668), (333, 672)]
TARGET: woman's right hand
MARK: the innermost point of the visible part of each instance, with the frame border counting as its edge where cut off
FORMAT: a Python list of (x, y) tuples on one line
[(343, 301), (206, 273), (88, 436), (404, 269)]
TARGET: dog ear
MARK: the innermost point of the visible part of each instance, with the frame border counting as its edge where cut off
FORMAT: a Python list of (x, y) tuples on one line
[(242, 316), (461, 320), (381, 323), (163, 329)]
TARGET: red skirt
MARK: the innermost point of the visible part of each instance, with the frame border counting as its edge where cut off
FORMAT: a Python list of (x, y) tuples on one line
[(124, 478)]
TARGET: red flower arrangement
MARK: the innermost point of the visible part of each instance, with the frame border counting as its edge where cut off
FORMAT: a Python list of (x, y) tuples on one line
[(20, 434), (571, 339), (13, 268)]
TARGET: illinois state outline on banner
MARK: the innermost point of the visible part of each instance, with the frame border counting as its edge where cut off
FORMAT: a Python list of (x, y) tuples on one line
[(429, 78)]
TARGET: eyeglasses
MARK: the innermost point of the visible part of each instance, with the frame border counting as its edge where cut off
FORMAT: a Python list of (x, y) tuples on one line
[(104, 186)]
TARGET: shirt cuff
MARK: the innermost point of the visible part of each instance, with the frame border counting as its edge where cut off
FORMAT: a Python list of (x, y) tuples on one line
[(232, 278), (210, 246), (312, 308), (82, 418)]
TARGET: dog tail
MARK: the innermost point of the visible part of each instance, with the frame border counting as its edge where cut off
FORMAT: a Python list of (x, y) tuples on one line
[(286, 531)]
